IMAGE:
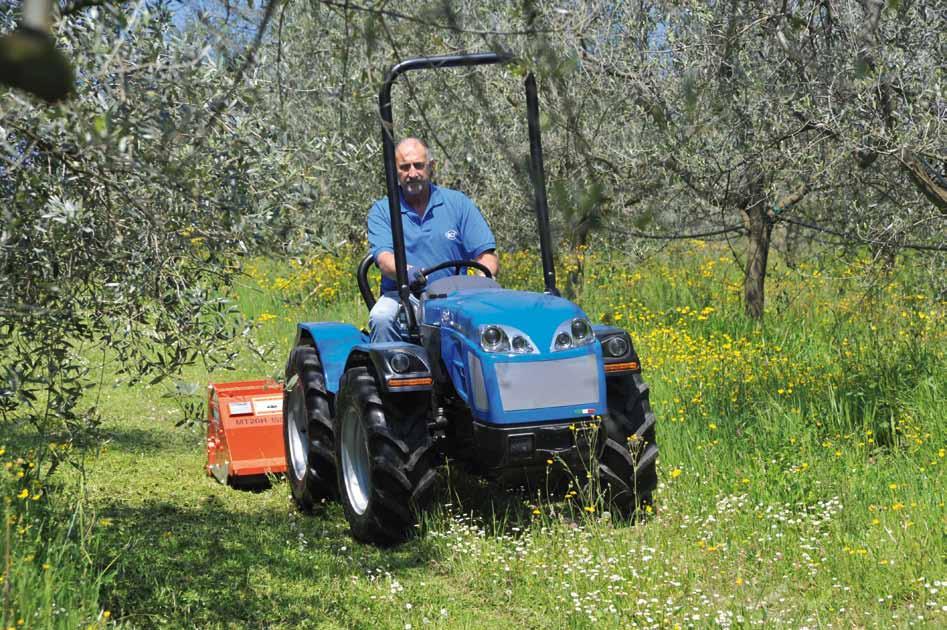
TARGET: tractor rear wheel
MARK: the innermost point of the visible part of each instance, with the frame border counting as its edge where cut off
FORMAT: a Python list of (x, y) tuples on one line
[(627, 451), (386, 458), (307, 430)]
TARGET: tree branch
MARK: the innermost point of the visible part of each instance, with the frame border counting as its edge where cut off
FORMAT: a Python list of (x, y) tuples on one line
[(69, 7), (927, 180)]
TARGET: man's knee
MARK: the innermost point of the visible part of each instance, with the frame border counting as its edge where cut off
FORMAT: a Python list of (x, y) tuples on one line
[(385, 310), (382, 320)]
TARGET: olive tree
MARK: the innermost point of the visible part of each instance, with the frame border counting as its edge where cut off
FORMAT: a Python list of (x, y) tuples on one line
[(820, 114), (123, 216)]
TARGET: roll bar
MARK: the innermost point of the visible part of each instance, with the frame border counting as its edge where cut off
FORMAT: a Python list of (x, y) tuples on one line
[(537, 174)]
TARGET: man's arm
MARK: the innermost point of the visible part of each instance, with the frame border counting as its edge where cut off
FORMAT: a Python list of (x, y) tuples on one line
[(477, 237), (490, 260), (386, 262)]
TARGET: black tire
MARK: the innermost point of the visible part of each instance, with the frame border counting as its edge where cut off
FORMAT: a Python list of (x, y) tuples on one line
[(386, 459), (307, 431), (627, 451)]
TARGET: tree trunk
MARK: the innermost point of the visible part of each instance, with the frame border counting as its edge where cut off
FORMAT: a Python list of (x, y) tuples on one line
[(927, 180), (759, 221), (575, 276), (760, 231)]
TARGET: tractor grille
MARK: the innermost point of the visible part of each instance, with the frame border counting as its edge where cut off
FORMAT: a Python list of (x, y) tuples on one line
[(540, 384)]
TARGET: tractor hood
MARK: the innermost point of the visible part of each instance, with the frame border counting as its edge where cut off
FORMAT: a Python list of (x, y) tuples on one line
[(536, 314), (507, 388)]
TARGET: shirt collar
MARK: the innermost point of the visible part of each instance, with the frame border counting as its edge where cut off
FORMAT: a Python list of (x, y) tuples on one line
[(433, 201)]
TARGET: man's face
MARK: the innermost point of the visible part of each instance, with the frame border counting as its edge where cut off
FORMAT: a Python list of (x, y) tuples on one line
[(414, 169)]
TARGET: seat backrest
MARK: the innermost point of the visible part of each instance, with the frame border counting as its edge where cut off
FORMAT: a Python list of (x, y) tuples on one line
[(361, 277)]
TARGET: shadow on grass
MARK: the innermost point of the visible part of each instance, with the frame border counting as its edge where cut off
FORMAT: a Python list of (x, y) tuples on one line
[(250, 559), (134, 439), (502, 509), (209, 564)]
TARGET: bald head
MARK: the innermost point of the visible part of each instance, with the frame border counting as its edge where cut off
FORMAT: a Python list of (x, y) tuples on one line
[(414, 144)]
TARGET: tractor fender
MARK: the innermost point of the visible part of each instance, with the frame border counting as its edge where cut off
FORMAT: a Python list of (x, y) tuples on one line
[(413, 376), (334, 341)]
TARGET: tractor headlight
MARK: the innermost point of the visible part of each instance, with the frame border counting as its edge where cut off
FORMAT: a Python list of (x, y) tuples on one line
[(571, 334), (493, 339), (580, 329), (617, 346), (400, 362), (497, 338), (563, 341)]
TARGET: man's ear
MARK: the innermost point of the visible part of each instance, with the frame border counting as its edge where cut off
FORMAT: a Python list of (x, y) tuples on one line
[(431, 165)]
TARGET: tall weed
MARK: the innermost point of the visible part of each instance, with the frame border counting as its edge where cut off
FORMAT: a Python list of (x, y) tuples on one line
[(49, 577)]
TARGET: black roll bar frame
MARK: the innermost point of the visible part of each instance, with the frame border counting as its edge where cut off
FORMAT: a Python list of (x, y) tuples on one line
[(537, 173)]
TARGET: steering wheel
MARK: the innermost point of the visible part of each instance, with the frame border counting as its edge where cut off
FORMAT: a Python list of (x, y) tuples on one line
[(457, 264), (361, 274)]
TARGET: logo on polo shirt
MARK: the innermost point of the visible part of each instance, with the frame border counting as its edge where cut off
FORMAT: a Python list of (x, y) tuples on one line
[(451, 235)]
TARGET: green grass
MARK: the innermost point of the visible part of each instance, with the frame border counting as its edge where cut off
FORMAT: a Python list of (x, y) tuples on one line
[(802, 480), (51, 574)]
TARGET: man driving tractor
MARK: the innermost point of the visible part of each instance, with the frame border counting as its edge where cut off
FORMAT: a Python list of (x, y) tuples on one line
[(439, 224)]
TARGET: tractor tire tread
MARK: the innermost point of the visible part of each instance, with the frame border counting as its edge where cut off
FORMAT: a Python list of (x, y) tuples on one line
[(383, 466), (319, 479), (401, 461), (628, 452)]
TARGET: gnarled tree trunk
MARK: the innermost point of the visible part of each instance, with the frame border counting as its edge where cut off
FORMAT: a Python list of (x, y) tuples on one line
[(760, 232), (759, 220)]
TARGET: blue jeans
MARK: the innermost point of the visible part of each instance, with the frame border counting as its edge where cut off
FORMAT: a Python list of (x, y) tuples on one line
[(384, 322)]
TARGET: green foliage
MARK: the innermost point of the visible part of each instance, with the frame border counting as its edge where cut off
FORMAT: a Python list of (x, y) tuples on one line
[(123, 215)]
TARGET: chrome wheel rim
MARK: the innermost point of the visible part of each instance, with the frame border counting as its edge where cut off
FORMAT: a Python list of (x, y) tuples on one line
[(356, 466), (298, 433)]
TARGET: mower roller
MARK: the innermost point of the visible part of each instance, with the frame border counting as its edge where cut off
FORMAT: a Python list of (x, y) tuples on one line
[(244, 431), (514, 386)]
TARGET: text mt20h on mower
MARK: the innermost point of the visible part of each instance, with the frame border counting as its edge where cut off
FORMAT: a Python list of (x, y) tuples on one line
[(495, 379)]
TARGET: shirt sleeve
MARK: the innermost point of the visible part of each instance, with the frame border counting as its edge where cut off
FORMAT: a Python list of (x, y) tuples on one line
[(476, 234), (379, 230)]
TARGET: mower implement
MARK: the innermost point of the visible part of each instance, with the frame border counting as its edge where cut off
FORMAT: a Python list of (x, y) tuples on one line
[(244, 431)]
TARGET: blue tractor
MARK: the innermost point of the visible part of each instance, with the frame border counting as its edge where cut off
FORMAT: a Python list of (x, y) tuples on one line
[(501, 382)]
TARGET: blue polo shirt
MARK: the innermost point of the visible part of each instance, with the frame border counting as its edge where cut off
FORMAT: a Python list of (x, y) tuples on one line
[(451, 228)]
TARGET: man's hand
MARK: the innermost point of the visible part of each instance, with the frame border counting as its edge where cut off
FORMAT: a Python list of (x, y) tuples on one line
[(416, 280)]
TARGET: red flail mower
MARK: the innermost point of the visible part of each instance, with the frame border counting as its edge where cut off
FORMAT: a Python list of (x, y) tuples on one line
[(245, 432)]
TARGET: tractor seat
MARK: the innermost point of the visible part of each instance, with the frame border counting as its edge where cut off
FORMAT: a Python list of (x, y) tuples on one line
[(443, 286)]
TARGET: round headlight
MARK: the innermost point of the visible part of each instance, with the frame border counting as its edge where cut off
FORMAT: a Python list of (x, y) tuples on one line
[(563, 340), (580, 329), (616, 347), (520, 344), (491, 337), (400, 362)]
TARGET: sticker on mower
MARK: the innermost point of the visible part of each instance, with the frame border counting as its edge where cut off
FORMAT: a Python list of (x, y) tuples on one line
[(240, 408), (265, 406)]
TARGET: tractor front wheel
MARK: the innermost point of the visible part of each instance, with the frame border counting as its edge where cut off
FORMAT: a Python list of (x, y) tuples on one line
[(307, 430), (386, 459), (627, 452)]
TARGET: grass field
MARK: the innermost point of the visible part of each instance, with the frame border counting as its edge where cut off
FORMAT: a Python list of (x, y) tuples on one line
[(802, 480)]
